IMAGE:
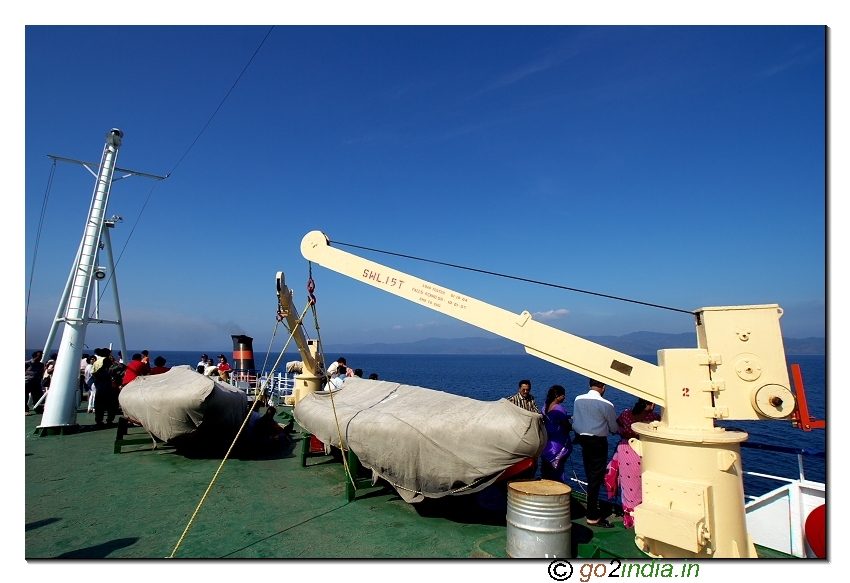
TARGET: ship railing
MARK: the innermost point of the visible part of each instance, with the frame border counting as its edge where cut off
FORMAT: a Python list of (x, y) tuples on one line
[(778, 519), (278, 385), (798, 451)]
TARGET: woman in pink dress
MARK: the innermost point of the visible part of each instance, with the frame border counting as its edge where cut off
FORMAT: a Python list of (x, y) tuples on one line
[(627, 460)]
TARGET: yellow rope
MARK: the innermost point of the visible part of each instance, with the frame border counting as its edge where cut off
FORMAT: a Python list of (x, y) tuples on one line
[(230, 449), (271, 343), (333, 405)]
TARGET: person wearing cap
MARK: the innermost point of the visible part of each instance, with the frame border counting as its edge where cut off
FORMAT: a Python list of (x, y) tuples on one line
[(223, 368), (203, 363)]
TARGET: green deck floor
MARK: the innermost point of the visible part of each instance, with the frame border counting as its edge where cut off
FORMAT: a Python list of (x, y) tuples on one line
[(84, 501)]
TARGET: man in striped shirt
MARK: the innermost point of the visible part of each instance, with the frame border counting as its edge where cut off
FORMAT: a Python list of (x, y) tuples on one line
[(523, 398)]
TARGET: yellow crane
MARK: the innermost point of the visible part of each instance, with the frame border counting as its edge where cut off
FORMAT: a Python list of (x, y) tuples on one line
[(693, 493)]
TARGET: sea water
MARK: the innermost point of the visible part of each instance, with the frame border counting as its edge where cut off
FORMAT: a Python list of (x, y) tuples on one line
[(491, 377)]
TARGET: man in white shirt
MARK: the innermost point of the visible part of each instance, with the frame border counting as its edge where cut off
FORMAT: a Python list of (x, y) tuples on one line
[(336, 377), (340, 368), (593, 419)]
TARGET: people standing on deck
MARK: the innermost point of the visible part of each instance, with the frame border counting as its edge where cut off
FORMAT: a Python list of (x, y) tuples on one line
[(202, 365), (90, 383), (159, 366), (136, 368), (625, 464), (33, 375), (48, 372), (116, 375), (593, 419), (84, 361), (106, 401), (524, 399), (559, 446)]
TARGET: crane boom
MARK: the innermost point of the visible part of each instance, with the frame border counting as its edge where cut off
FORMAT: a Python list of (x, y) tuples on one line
[(614, 368), (693, 495), (311, 376), (288, 311)]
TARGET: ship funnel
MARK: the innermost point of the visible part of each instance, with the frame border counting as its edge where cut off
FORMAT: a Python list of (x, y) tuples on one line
[(243, 352)]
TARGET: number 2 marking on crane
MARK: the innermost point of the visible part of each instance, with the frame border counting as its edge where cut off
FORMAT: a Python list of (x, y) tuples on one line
[(685, 392)]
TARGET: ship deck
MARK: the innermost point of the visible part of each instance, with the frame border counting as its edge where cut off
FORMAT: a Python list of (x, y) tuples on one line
[(83, 501)]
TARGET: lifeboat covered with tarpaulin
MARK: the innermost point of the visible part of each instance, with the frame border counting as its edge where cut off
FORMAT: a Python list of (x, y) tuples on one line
[(425, 443), (181, 402)]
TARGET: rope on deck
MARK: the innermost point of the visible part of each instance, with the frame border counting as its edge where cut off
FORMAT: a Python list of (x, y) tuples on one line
[(230, 449)]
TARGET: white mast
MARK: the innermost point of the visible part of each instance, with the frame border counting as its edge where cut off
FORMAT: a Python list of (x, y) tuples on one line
[(60, 410)]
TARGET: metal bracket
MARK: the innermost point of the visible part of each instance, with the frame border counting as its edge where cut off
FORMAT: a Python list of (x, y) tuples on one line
[(709, 359), (716, 412), (712, 386)]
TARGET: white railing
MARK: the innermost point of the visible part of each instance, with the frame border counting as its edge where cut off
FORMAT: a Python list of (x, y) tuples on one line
[(278, 385), (781, 449)]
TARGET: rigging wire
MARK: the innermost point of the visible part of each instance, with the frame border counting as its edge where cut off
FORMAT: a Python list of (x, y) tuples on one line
[(127, 241), (222, 101), (513, 277), (232, 87), (147, 199), (37, 240)]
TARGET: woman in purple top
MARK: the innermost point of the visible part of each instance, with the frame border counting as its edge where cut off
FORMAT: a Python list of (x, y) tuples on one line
[(559, 446)]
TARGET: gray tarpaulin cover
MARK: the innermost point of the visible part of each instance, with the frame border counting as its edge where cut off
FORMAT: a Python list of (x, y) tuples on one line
[(177, 402), (425, 443)]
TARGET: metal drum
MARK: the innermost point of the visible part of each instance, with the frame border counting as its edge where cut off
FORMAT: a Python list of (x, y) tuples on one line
[(539, 522)]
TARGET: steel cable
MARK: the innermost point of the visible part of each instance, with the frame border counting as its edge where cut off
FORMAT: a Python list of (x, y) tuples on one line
[(37, 240), (513, 277)]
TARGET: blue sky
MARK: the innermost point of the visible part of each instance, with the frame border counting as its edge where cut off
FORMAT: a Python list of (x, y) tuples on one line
[(682, 166)]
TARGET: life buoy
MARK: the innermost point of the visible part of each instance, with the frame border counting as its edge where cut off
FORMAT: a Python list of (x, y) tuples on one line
[(816, 531)]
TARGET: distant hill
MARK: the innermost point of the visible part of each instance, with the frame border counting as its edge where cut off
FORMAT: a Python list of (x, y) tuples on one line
[(636, 343)]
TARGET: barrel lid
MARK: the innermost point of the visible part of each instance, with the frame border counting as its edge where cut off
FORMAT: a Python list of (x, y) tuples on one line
[(540, 487)]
